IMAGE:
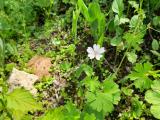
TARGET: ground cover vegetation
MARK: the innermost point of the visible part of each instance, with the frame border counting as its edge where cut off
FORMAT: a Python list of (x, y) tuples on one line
[(79, 59)]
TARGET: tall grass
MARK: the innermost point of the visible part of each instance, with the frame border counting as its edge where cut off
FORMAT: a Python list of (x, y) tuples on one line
[(2, 53)]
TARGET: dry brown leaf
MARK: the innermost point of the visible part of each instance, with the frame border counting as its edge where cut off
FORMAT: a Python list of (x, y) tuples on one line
[(40, 65)]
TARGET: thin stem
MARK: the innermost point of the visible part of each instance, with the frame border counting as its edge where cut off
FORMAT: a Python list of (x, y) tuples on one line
[(121, 61), (110, 66), (154, 29)]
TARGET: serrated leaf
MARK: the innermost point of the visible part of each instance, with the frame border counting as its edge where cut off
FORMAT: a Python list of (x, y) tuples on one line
[(91, 83), (127, 91), (133, 40), (153, 97), (140, 76), (71, 112), (112, 89), (137, 107), (54, 114), (100, 102), (20, 101), (103, 101)]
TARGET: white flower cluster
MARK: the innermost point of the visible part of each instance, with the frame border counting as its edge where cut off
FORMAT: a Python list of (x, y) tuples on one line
[(95, 52), (22, 79)]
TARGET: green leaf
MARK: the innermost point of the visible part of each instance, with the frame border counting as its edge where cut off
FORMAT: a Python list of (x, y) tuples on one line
[(155, 53), (155, 110), (89, 117), (54, 114), (91, 83), (100, 102), (156, 21), (153, 97), (84, 9), (74, 21), (21, 101), (112, 89), (116, 41), (65, 66), (136, 108), (94, 10), (133, 40), (71, 112), (43, 3), (1, 4), (155, 44), (127, 91), (134, 4), (84, 68), (123, 20), (132, 57), (67, 112), (2, 52), (118, 7), (134, 21), (140, 76), (103, 101)]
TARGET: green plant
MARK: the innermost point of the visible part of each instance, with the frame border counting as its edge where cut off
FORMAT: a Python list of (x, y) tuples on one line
[(153, 97), (17, 103), (140, 76), (102, 101), (95, 18), (74, 22), (2, 53)]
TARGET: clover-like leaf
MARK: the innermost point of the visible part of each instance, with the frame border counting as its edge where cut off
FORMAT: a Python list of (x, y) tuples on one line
[(103, 101), (100, 102), (153, 97), (91, 83), (140, 76)]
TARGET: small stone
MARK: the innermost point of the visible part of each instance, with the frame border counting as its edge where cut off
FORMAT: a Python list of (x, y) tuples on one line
[(22, 79)]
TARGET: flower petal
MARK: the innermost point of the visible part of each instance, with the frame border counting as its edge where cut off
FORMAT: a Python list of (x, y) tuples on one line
[(101, 50), (96, 47), (91, 56), (98, 56), (90, 50)]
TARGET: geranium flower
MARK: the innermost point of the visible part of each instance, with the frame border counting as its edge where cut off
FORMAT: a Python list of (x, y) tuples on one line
[(95, 52)]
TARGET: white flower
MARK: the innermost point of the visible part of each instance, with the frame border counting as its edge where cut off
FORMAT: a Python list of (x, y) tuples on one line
[(95, 52)]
